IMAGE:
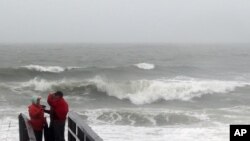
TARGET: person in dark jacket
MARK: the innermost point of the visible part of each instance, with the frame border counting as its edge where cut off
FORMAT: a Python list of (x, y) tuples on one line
[(37, 120), (58, 113)]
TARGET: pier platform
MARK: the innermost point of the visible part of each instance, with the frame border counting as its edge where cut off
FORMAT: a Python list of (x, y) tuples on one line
[(77, 129)]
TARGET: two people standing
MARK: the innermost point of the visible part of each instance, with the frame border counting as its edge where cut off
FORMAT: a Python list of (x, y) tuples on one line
[(58, 114)]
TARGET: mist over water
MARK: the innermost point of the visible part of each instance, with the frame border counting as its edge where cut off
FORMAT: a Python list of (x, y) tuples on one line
[(153, 92)]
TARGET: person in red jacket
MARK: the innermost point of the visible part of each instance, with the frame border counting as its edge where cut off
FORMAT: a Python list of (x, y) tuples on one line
[(37, 120), (58, 114)]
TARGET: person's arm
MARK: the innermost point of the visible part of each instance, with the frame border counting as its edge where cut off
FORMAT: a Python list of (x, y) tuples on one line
[(47, 111), (51, 100), (44, 109)]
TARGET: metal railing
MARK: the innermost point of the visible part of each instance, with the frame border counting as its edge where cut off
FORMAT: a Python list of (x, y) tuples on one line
[(78, 130), (26, 132)]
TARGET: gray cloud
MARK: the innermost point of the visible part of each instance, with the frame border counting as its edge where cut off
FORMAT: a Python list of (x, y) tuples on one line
[(125, 21)]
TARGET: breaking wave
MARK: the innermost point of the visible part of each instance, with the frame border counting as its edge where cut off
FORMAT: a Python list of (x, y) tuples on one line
[(138, 91), (31, 71), (43, 85), (179, 88), (54, 69), (145, 66)]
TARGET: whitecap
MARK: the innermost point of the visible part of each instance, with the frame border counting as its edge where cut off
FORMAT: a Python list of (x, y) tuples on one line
[(145, 66), (54, 69)]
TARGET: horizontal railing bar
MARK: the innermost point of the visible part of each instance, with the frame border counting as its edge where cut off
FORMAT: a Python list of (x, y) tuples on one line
[(89, 133)]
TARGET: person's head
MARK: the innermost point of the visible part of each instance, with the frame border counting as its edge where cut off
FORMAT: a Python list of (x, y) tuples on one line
[(36, 100), (58, 94)]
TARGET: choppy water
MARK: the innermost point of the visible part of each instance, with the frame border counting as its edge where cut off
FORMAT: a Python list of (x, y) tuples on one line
[(132, 92)]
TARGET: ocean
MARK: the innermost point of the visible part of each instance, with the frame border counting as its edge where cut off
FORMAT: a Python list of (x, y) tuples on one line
[(136, 92)]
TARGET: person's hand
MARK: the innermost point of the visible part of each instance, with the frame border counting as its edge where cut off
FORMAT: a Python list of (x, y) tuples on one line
[(51, 93), (43, 106)]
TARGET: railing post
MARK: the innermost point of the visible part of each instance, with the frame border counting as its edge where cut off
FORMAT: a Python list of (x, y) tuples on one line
[(26, 132), (72, 129), (23, 134)]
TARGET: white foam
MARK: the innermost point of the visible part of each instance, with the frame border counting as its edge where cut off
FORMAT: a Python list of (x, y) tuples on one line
[(145, 66), (36, 84), (39, 84), (115, 116), (54, 69), (9, 129), (179, 88), (125, 133), (238, 110)]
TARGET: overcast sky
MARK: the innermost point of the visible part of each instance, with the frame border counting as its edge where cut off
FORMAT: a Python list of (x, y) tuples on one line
[(132, 21)]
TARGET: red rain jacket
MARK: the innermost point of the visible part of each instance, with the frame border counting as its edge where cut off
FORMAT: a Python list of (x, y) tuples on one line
[(59, 108), (37, 119)]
